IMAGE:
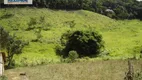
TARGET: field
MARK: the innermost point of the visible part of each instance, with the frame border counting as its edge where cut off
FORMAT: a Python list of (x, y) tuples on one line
[(95, 70), (122, 40), (122, 37)]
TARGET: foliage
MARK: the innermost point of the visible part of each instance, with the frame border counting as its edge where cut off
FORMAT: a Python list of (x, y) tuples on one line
[(120, 36), (71, 23), (123, 9), (11, 45), (3, 38), (3, 78), (6, 14), (138, 75), (73, 56), (86, 43), (137, 52), (31, 24)]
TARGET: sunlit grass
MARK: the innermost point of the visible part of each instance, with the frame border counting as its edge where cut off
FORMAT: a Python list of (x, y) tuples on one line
[(92, 70), (120, 37)]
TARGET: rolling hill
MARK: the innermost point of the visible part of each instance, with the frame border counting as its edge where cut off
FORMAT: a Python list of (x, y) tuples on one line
[(122, 37)]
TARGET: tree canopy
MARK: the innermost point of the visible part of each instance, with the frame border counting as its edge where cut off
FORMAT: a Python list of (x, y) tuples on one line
[(12, 45), (123, 9), (85, 43)]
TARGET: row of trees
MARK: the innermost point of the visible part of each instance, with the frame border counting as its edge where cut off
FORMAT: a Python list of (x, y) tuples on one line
[(119, 9)]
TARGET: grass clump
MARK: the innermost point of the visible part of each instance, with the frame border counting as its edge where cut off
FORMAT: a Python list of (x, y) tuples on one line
[(138, 75)]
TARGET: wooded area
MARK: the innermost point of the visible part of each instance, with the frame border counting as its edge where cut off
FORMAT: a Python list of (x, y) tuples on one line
[(118, 9)]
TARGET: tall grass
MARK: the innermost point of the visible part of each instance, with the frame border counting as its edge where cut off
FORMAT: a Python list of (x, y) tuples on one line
[(92, 70)]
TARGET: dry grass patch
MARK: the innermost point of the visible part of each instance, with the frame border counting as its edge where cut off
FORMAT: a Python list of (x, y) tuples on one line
[(95, 70)]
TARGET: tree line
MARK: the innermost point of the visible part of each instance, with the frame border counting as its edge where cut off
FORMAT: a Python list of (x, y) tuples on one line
[(118, 9)]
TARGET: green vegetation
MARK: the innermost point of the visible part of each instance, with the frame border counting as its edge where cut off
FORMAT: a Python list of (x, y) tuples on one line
[(3, 38), (11, 45), (85, 43), (3, 78), (118, 9), (73, 55), (42, 32), (138, 75)]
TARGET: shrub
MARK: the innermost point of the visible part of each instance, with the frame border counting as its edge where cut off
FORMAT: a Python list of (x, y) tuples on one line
[(6, 14), (10, 44), (3, 37), (85, 43), (33, 21), (59, 50), (137, 52), (71, 23), (13, 47), (3, 78), (73, 56), (138, 75), (31, 24), (38, 35)]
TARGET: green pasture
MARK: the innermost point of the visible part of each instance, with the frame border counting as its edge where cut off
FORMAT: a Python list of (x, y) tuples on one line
[(123, 38)]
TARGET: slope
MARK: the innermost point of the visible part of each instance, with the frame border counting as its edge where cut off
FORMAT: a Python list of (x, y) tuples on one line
[(121, 37)]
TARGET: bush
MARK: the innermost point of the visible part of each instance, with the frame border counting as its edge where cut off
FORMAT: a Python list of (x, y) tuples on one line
[(3, 78), (31, 24), (59, 50), (137, 52), (71, 23), (11, 45), (85, 43), (138, 75), (6, 14), (3, 38), (73, 56)]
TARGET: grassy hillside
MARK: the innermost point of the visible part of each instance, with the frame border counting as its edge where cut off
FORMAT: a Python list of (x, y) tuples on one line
[(122, 38)]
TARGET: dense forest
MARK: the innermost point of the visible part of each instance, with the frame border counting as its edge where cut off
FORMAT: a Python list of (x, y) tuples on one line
[(118, 9)]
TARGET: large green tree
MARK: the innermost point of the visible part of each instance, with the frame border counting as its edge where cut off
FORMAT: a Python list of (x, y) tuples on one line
[(12, 45), (85, 43)]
